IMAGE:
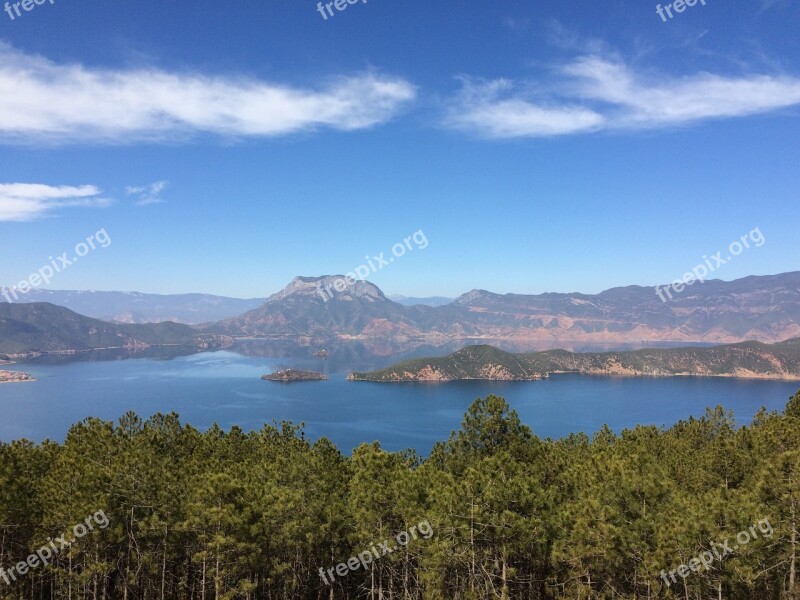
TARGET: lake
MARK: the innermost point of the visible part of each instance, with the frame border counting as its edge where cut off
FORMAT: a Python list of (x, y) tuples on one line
[(225, 388)]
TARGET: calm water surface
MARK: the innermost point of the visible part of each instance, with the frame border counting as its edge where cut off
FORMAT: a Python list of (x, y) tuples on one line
[(225, 388)]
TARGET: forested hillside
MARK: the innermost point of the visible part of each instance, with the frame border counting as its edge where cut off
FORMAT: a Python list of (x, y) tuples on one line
[(219, 514), (746, 359), (39, 327)]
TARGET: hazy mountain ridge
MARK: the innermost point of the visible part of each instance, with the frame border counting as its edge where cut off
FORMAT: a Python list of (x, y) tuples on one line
[(309, 310), (136, 307), (34, 328), (747, 359), (428, 301), (762, 308)]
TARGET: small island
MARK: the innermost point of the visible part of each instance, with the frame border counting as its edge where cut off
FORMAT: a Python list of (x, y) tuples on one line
[(14, 377), (289, 375)]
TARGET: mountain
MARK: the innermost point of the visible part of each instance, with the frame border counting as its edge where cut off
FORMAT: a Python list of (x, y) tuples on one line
[(410, 301), (747, 359), (40, 327), (306, 308), (135, 307), (312, 310), (761, 308)]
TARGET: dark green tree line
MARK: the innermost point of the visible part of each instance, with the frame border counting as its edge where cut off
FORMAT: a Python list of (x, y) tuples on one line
[(219, 515)]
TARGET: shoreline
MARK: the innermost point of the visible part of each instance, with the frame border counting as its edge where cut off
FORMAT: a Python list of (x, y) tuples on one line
[(545, 377), (38, 354), (754, 376)]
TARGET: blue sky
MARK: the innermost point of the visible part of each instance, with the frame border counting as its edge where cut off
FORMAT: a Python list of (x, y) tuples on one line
[(226, 147)]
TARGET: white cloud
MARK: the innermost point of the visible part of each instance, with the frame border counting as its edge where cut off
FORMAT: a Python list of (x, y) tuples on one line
[(493, 109), (147, 194), (43, 100), (28, 201), (595, 93), (677, 101)]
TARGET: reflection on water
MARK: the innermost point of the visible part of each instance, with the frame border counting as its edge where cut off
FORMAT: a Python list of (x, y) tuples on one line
[(344, 357), (154, 353), (335, 356)]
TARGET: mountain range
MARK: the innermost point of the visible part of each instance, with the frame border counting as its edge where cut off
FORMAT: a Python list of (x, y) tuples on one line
[(311, 310), (762, 308), (41, 328), (136, 307), (429, 301)]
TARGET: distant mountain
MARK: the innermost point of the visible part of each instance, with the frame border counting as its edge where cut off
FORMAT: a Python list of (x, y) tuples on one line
[(311, 310), (747, 359), (763, 308), (135, 307), (304, 308), (410, 301), (42, 328)]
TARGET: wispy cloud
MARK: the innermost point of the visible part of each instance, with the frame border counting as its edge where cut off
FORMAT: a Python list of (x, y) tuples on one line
[(595, 93), (516, 23), (41, 100), (147, 194), (496, 109), (29, 201), (768, 4)]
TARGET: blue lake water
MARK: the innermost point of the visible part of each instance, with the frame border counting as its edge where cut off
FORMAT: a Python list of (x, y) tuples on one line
[(225, 388)]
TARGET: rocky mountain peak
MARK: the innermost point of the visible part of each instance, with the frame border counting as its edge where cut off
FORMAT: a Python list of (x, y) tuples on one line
[(472, 296), (325, 288)]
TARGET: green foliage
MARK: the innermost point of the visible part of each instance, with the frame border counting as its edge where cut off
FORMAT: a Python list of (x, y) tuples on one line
[(472, 362), (793, 407), (229, 515), (781, 360)]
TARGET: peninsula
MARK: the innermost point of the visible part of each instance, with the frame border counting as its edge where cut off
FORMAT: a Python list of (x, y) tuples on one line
[(744, 360)]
